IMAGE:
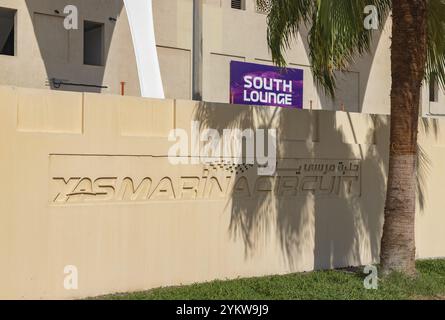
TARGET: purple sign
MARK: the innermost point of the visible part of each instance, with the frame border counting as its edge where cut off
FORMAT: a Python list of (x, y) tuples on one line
[(256, 84)]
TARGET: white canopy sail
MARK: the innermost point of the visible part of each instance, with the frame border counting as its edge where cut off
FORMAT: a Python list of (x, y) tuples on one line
[(140, 17)]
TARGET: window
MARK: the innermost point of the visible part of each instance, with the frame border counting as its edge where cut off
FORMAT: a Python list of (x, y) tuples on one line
[(7, 31), (434, 90), (93, 43), (238, 4)]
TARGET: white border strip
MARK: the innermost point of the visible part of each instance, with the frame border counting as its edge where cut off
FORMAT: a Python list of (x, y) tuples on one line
[(140, 17)]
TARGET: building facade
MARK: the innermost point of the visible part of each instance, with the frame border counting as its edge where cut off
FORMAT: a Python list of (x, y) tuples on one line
[(99, 57), (236, 31), (95, 58)]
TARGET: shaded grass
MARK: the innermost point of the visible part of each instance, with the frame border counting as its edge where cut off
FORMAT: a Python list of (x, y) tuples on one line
[(332, 285)]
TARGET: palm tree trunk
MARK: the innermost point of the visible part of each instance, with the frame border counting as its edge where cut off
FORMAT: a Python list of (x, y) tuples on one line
[(408, 59)]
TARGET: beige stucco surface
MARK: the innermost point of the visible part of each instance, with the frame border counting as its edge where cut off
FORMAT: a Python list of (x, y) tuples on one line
[(46, 50), (86, 182)]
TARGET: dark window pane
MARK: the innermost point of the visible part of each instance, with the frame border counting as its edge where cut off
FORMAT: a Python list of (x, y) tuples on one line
[(93, 44), (238, 4), (7, 31)]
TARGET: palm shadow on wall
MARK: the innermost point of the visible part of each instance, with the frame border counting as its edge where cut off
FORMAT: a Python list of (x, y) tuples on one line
[(62, 50), (338, 231), (362, 66), (429, 127)]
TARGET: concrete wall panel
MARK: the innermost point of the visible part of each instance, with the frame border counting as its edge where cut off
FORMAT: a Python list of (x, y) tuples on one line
[(87, 182)]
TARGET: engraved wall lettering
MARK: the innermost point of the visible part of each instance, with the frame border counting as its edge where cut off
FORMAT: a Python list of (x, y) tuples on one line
[(164, 190), (83, 190), (241, 189), (264, 185), (215, 181), (288, 186), (189, 188), (128, 191), (104, 188), (65, 186)]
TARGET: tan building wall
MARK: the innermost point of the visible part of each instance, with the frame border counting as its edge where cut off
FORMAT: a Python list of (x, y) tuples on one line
[(46, 50), (231, 34), (240, 35), (87, 182)]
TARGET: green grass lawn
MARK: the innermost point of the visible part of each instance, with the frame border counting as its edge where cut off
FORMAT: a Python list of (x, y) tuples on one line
[(339, 284)]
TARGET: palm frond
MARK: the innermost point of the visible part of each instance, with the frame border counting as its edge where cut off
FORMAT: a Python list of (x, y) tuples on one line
[(338, 37), (284, 19), (337, 34), (435, 68)]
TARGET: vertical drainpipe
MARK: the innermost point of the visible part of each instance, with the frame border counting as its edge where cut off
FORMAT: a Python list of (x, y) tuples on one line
[(197, 50)]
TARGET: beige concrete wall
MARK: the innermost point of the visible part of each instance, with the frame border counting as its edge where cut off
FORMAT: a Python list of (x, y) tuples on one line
[(46, 50), (430, 235), (86, 182)]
